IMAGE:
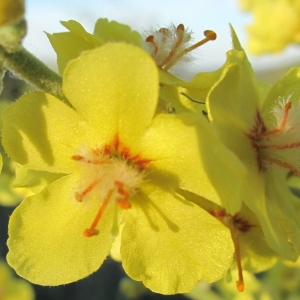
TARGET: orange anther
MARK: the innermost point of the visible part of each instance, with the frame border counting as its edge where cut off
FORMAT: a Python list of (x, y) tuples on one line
[(211, 35), (180, 27), (240, 286), (150, 39), (77, 157), (90, 232)]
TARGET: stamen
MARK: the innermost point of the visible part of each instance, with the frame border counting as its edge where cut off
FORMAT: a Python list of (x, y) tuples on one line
[(240, 283), (209, 36), (150, 39), (287, 107), (92, 230), (281, 163), (174, 49), (79, 196), (122, 201)]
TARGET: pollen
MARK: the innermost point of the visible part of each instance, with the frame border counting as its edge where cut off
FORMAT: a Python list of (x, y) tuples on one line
[(169, 45), (280, 144), (110, 175)]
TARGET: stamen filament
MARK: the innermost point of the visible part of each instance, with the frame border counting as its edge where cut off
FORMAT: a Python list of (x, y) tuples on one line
[(150, 39), (92, 230), (287, 107), (280, 147), (115, 225), (79, 196), (240, 283), (209, 36), (235, 238), (281, 163), (179, 30)]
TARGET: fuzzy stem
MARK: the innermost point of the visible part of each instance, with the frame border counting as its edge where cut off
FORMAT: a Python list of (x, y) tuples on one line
[(35, 72)]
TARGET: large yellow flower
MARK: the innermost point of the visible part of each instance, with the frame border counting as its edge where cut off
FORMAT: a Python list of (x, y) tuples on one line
[(118, 165)]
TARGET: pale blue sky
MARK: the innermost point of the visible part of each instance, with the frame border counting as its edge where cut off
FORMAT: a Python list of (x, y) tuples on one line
[(198, 15)]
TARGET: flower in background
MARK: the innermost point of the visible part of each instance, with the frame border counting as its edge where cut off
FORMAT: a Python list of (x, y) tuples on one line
[(13, 288), (276, 24), (255, 142), (116, 163)]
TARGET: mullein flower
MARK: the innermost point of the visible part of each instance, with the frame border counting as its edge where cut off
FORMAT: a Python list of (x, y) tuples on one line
[(116, 164), (276, 24), (255, 132)]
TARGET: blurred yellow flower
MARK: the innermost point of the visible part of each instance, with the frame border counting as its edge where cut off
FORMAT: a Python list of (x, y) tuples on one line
[(12, 288), (276, 24)]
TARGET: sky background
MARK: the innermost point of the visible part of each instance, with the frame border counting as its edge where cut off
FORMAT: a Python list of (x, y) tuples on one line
[(198, 15)]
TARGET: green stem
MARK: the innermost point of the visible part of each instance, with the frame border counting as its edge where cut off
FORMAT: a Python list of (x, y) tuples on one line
[(32, 70)]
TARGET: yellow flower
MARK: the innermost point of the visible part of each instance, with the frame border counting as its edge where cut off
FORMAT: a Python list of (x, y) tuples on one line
[(276, 24), (119, 165), (255, 134), (13, 288)]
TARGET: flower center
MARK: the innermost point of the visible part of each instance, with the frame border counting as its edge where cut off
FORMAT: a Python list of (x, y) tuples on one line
[(270, 143), (168, 45), (109, 174)]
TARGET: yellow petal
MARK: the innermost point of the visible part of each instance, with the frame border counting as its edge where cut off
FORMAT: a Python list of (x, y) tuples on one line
[(170, 244), (46, 242), (42, 133), (172, 143), (115, 88)]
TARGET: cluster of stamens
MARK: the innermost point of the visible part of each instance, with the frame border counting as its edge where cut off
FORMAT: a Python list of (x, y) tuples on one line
[(284, 136), (111, 173), (236, 225), (168, 45)]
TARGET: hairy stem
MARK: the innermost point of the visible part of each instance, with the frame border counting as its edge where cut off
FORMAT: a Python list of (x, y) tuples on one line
[(32, 70)]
